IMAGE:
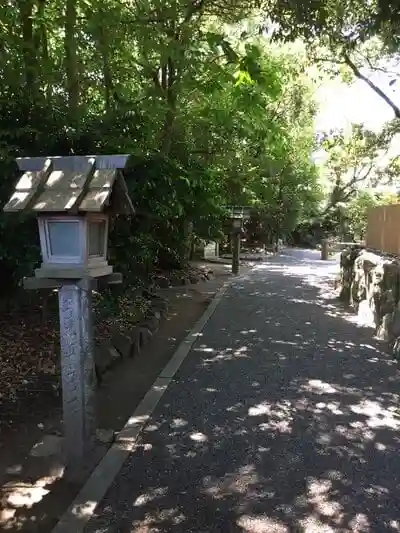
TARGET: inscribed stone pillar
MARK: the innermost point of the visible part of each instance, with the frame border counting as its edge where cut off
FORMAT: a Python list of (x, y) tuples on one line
[(77, 370)]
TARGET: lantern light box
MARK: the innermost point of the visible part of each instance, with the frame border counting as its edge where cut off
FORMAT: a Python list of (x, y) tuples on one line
[(73, 200)]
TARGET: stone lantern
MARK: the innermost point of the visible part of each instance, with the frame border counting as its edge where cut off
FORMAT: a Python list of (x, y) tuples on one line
[(73, 198), (237, 223), (236, 216)]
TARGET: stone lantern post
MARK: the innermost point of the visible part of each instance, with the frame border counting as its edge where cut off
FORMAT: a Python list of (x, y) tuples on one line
[(73, 198)]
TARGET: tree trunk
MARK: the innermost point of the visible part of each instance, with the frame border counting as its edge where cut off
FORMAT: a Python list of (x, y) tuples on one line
[(187, 237), (28, 44), (71, 59), (43, 46), (103, 39), (171, 98)]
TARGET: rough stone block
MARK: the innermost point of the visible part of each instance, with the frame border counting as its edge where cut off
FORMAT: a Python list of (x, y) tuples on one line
[(345, 291), (387, 304), (383, 331), (390, 275), (371, 282), (145, 336), (134, 338), (358, 289), (105, 436), (152, 323), (122, 343), (105, 356), (47, 446), (396, 348), (163, 283), (365, 314), (177, 281), (152, 295), (160, 305), (395, 327)]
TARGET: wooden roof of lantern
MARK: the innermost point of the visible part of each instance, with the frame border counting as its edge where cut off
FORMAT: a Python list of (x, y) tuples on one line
[(72, 184)]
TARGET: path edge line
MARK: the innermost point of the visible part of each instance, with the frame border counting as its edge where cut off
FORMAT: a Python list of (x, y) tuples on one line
[(95, 488)]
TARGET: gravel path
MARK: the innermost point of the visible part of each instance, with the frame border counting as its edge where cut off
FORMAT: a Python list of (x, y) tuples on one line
[(283, 419)]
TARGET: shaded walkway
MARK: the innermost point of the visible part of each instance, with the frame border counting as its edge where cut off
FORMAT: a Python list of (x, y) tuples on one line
[(283, 419)]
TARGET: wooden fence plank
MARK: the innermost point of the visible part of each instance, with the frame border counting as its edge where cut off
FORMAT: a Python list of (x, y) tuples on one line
[(383, 228)]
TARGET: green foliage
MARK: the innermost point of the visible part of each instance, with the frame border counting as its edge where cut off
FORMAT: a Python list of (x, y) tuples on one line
[(356, 160), (343, 23), (211, 117), (355, 39)]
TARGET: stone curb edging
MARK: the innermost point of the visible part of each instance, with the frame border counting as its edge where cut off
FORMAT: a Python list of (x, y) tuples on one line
[(83, 507), (176, 279), (128, 343)]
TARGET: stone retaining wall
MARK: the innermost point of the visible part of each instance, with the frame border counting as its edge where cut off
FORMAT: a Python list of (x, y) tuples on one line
[(370, 283)]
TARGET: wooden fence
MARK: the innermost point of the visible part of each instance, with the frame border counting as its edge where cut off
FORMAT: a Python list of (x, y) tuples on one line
[(383, 228)]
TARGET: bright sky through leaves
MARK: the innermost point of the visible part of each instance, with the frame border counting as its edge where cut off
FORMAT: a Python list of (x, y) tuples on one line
[(342, 104)]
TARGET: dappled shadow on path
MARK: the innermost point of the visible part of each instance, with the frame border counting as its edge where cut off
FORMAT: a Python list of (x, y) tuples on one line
[(284, 419)]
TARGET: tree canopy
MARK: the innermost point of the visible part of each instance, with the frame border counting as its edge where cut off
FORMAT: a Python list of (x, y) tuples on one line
[(216, 101), (350, 40), (356, 34), (214, 113)]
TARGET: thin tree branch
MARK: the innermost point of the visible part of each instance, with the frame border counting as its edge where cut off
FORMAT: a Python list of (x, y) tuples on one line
[(377, 68), (372, 85), (329, 60)]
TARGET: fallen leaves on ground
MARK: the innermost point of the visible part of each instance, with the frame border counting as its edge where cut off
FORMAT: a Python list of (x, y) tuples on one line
[(29, 332)]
